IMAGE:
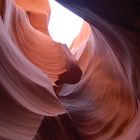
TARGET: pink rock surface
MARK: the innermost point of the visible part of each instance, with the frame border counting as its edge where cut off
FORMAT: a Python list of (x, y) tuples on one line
[(49, 92)]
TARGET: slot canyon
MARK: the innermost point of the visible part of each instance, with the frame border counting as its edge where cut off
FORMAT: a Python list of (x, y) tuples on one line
[(87, 91)]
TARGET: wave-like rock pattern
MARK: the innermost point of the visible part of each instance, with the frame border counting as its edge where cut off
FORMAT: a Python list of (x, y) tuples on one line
[(47, 91)]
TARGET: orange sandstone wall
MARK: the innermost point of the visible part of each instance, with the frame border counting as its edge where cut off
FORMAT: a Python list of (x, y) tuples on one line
[(50, 92)]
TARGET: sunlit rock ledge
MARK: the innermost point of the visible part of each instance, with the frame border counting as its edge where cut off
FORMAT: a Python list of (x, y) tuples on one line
[(89, 91)]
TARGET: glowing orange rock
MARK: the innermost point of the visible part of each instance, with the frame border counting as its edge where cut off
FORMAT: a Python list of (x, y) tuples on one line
[(96, 81)]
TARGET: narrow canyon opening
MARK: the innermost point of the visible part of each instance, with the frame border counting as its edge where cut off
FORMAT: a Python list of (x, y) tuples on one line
[(64, 25)]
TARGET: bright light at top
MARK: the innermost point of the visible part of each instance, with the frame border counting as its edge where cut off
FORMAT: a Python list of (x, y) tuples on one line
[(64, 25)]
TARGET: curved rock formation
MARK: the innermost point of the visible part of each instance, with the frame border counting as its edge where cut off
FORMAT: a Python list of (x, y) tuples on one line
[(47, 91)]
